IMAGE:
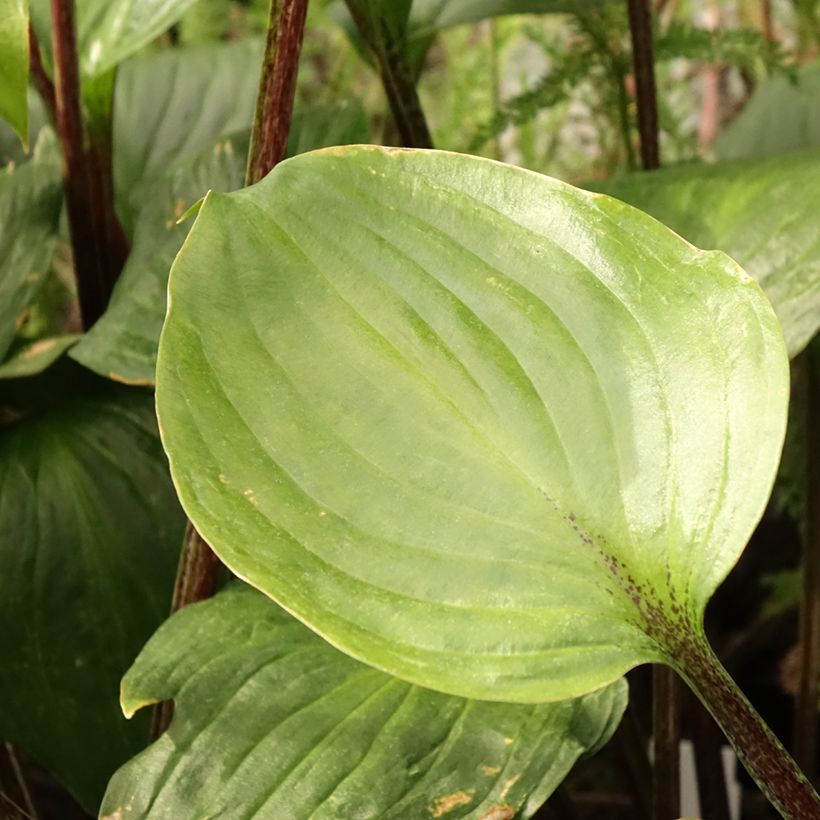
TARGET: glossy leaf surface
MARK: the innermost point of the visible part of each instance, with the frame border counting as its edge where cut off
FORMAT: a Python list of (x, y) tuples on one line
[(760, 212), (30, 201), (493, 434), (272, 722), (14, 65), (89, 538), (109, 31)]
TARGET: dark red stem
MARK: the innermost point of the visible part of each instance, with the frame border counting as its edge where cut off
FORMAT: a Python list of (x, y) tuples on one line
[(42, 81), (640, 25), (666, 729), (277, 86)]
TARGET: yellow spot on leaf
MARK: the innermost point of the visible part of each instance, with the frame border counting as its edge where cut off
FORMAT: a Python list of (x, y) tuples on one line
[(449, 802), (38, 347), (508, 785), (500, 813), (508, 740), (322, 513), (490, 770)]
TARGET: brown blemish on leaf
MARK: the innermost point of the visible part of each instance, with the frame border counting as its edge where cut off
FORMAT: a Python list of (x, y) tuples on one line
[(117, 377), (490, 770), (38, 347), (500, 813), (449, 802), (508, 785)]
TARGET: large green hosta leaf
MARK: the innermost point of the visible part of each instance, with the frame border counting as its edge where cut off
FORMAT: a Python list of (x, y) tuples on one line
[(108, 31), (272, 722), (30, 201), (488, 432), (89, 536), (760, 212), (14, 65)]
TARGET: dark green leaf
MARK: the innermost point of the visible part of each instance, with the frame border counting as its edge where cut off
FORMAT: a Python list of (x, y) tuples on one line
[(31, 197), (272, 722), (760, 212), (490, 433), (90, 533), (32, 358)]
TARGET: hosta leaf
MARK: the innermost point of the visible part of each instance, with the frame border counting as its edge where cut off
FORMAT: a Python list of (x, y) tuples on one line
[(89, 537), (490, 433), (177, 103), (272, 722), (122, 345), (781, 116), (30, 201), (108, 31), (760, 212), (14, 65)]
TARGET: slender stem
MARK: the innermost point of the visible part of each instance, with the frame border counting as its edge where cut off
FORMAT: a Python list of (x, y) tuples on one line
[(99, 249), (42, 81), (805, 713), (766, 19), (623, 116), (197, 579), (707, 739), (756, 746), (390, 56), (666, 725), (15, 796), (640, 25), (277, 86)]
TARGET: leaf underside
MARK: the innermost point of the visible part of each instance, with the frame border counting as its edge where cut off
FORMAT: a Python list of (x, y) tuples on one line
[(487, 432)]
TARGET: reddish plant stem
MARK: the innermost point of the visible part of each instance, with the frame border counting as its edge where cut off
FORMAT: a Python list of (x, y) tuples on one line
[(666, 727), (634, 762), (756, 746), (640, 25), (197, 580), (277, 86), (805, 712), (42, 81), (707, 739), (98, 242)]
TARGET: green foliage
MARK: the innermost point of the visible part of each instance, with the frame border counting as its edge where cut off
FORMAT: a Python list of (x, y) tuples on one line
[(272, 722), (14, 65), (91, 530), (760, 212), (547, 541)]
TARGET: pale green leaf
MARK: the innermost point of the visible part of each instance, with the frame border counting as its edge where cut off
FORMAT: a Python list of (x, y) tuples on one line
[(14, 65), (31, 197), (108, 31), (781, 116), (483, 430), (760, 212), (89, 538), (174, 104), (272, 722)]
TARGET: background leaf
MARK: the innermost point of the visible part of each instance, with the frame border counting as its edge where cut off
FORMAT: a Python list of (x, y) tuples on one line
[(490, 433), (271, 721), (760, 212), (89, 539), (14, 65), (781, 116), (31, 358), (108, 31), (31, 197), (173, 105)]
